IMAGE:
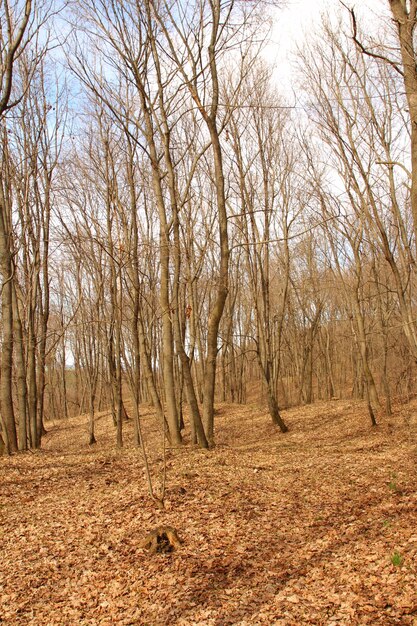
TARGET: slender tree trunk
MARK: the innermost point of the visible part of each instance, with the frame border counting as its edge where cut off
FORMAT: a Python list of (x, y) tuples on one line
[(91, 424), (64, 369), (222, 288), (44, 315), (363, 351), (32, 386), (20, 374)]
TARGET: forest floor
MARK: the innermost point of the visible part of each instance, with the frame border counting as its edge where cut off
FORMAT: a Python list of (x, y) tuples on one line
[(317, 526)]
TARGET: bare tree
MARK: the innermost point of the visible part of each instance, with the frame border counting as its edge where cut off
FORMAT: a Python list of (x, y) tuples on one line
[(404, 16), (265, 168), (13, 39), (360, 121)]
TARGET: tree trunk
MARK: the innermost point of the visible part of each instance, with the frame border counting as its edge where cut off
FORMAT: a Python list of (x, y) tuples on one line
[(20, 375), (222, 289)]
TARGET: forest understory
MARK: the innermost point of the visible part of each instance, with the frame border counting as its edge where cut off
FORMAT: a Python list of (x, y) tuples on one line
[(317, 526)]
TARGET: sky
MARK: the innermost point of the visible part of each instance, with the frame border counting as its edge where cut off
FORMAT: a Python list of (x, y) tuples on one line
[(298, 20)]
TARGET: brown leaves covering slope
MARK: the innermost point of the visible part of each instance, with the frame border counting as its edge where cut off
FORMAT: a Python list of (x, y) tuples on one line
[(317, 526)]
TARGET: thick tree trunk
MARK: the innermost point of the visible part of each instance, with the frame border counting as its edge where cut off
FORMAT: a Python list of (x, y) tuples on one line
[(9, 433), (6, 394), (271, 397), (405, 17)]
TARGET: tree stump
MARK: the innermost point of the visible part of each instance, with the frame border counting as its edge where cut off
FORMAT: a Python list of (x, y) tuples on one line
[(161, 540)]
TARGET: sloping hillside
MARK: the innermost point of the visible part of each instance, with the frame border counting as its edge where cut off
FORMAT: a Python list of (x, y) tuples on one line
[(317, 526)]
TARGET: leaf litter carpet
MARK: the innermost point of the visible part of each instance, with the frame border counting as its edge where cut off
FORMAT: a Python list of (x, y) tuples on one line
[(317, 526)]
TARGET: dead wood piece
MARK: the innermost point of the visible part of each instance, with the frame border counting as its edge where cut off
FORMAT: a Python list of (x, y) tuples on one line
[(161, 540)]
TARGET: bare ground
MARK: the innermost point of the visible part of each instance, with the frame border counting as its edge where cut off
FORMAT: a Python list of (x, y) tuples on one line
[(318, 526)]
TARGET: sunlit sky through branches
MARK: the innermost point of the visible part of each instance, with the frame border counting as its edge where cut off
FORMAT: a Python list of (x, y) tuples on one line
[(297, 22)]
